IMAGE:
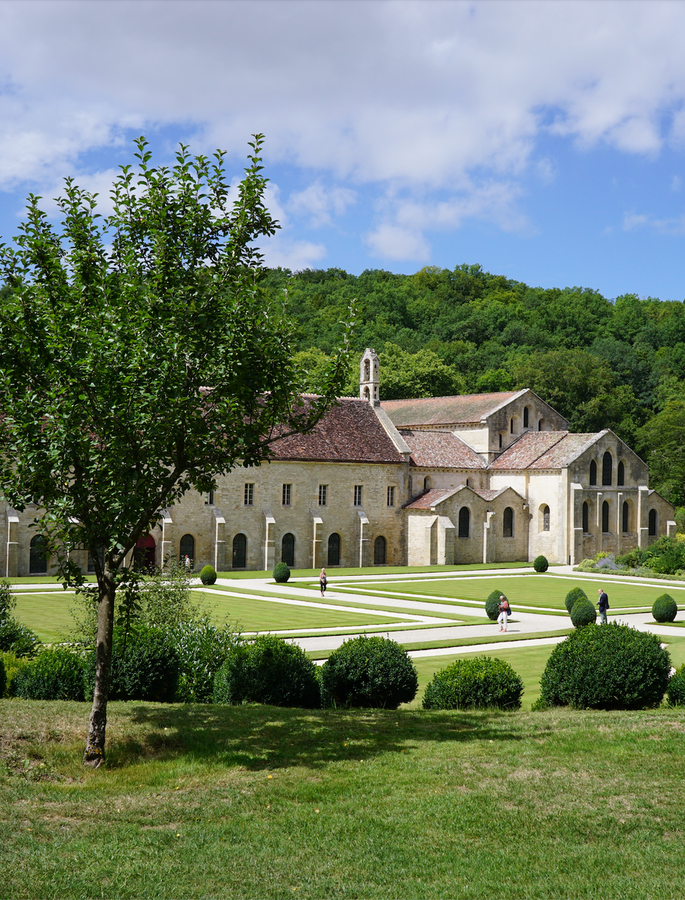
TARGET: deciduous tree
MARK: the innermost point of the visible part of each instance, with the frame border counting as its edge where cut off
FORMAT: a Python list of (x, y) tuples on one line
[(139, 359)]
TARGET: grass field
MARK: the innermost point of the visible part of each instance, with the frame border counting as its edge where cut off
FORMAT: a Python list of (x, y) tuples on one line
[(257, 802), (538, 591), (48, 614)]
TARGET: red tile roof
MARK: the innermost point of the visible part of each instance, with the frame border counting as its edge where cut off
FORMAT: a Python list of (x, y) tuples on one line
[(463, 409), (440, 449), (349, 432), (430, 498), (544, 450)]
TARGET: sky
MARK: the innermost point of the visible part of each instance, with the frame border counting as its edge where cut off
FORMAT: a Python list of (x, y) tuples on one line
[(544, 141)]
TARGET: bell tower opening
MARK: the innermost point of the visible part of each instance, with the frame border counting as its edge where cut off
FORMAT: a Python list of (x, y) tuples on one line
[(369, 385)]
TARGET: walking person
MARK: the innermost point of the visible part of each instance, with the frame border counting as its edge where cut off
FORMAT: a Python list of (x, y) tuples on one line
[(323, 581), (504, 611), (603, 605)]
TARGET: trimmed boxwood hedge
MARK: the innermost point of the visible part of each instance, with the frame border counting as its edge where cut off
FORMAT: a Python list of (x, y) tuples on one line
[(479, 683), (146, 668), (540, 564), (268, 670), (573, 595), (492, 604), (665, 609), (606, 667), (55, 674), (583, 613), (281, 572), (369, 672)]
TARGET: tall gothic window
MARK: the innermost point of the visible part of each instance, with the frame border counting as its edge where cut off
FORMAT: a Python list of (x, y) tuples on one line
[(607, 468), (621, 474), (605, 517), (586, 518), (508, 522), (593, 472), (464, 521)]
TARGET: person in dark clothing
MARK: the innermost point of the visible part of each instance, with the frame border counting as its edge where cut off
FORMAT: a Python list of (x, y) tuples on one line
[(603, 604)]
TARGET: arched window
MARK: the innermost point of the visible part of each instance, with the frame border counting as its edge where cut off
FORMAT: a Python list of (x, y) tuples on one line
[(367, 370), (625, 517), (379, 549), (586, 518), (508, 522), (426, 483), (607, 468), (239, 551), (38, 555), (540, 421), (593, 472), (652, 522), (511, 426), (605, 517), (545, 518), (367, 395), (525, 416), (464, 521), (288, 549), (334, 550), (186, 548), (621, 474)]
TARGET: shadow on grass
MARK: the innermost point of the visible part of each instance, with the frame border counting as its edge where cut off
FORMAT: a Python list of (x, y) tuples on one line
[(266, 737)]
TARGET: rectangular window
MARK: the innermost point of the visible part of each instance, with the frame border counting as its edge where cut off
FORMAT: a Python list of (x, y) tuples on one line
[(391, 496), (323, 495), (287, 494), (210, 499), (248, 499), (358, 495)]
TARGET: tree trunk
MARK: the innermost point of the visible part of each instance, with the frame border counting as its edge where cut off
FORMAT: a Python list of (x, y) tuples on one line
[(94, 754)]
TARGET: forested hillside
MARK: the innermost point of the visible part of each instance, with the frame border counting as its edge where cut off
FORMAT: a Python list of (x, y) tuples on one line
[(617, 364)]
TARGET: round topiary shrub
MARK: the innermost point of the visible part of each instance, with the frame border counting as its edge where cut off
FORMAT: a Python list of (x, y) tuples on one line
[(665, 608), (268, 670), (540, 564), (208, 575), (676, 688), (479, 683), (55, 674), (369, 672), (583, 613), (281, 572), (574, 594), (492, 604), (3, 678), (607, 667)]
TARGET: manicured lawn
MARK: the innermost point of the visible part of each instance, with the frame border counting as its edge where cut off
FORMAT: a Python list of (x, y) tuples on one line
[(257, 802), (49, 614), (378, 570), (541, 591)]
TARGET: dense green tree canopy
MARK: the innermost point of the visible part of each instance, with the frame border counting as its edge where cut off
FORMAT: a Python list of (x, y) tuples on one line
[(601, 363)]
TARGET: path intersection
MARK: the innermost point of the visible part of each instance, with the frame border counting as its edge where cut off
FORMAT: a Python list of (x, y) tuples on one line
[(429, 618)]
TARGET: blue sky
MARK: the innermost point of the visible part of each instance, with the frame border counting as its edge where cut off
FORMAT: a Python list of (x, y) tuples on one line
[(542, 140)]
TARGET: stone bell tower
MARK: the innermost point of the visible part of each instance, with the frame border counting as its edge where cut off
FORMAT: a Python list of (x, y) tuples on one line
[(368, 377)]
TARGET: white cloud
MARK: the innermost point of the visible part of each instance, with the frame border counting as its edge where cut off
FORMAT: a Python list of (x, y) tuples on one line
[(395, 242), (282, 251), (674, 225), (419, 92), (321, 203)]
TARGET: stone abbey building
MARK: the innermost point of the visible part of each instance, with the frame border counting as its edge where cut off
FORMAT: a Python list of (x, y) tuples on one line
[(437, 481)]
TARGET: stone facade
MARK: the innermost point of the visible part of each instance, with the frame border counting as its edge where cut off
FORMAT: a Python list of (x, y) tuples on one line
[(433, 481)]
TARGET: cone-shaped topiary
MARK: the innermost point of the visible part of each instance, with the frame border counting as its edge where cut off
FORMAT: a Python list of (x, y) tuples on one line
[(492, 604), (574, 594), (665, 608), (540, 564), (479, 683), (281, 572), (606, 667), (208, 575), (583, 613)]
